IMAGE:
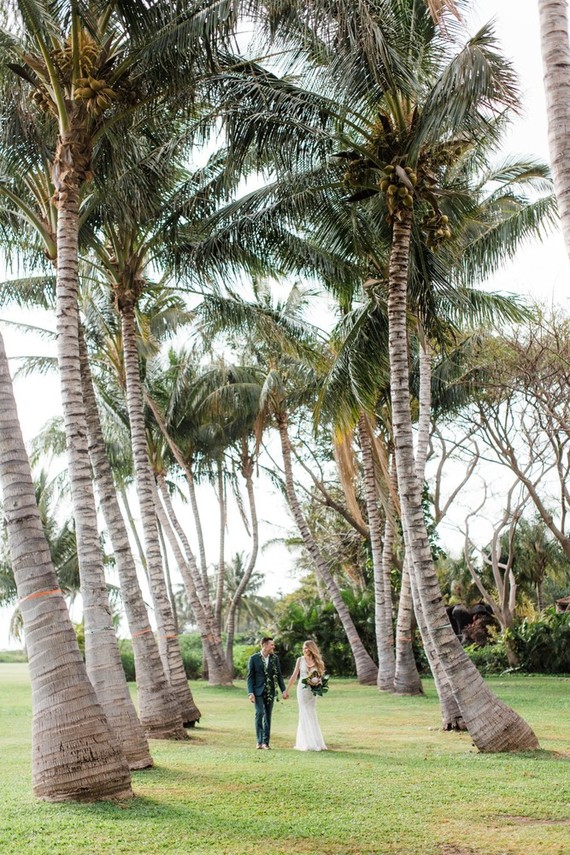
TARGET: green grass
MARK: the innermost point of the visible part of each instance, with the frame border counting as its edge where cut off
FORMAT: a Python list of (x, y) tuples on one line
[(392, 783)]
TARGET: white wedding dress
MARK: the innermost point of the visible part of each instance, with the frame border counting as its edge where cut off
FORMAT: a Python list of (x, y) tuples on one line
[(309, 736)]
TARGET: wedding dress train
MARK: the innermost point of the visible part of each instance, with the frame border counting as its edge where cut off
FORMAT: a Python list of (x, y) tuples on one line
[(309, 736)]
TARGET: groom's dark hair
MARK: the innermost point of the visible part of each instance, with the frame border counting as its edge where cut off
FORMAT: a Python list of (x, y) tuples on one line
[(266, 639)]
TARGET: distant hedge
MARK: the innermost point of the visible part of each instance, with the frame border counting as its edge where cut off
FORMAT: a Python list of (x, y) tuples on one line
[(13, 656), (191, 651)]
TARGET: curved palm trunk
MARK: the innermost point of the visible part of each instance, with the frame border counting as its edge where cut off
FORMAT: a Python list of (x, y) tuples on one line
[(247, 472), (168, 580), (188, 556), (451, 718), (218, 672), (167, 636), (381, 561), (556, 64), (158, 711), (406, 677), (222, 547), (186, 467), (366, 670), (102, 653), (75, 754), (197, 524), (492, 725)]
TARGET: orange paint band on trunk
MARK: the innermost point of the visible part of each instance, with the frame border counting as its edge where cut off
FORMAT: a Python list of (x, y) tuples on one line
[(142, 632), (168, 636), (40, 594)]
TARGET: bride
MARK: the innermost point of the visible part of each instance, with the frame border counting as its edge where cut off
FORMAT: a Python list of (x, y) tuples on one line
[(309, 736)]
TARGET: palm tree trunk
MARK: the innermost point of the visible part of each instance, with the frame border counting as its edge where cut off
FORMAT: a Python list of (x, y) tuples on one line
[(167, 636), (556, 64), (492, 725), (157, 706), (451, 718), (186, 467), (381, 561), (406, 677), (168, 579), (247, 472), (222, 546), (366, 670), (188, 556), (75, 754), (218, 673), (121, 489), (539, 596), (102, 653)]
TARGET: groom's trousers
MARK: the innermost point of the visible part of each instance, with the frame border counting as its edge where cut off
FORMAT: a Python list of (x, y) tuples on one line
[(263, 710)]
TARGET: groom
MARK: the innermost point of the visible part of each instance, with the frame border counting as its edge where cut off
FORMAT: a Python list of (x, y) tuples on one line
[(263, 670)]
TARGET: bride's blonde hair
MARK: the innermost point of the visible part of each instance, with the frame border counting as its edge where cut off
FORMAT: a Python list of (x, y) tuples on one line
[(316, 654)]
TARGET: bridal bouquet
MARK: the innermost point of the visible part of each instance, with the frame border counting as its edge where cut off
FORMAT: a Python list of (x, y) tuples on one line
[(317, 683)]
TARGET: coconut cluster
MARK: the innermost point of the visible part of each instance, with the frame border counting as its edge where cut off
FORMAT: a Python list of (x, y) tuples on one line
[(96, 94), (90, 88), (437, 230), (398, 186)]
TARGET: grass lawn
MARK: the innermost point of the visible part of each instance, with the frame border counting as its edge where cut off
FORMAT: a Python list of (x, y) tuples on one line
[(392, 783)]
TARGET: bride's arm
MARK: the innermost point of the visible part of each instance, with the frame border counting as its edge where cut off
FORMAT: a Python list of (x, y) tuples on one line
[(295, 674)]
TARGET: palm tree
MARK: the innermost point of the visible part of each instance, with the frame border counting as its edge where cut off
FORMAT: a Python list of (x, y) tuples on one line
[(157, 310), (278, 338), (426, 135), (158, 708), (75, 754), (429, 110), (555, 47), (32, 199), (226, 400), (102, 654)]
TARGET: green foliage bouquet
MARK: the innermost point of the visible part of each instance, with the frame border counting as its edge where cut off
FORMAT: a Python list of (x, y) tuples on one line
[(317, 683)]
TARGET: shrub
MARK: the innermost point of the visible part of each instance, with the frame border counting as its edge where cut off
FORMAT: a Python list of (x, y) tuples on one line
[(13, 656), (127, 658), (543, 646), (491, 659), (320, 621), (190, 650), (242, 652)]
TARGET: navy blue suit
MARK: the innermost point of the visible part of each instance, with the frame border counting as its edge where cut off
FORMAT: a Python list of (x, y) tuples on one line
[(256, 685)]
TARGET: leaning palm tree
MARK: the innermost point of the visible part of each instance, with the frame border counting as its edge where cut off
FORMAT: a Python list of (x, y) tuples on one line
[(417, 143), (160, 713), (107, 354), (34, 206), (76, 757), (126, 251), (28, 190)]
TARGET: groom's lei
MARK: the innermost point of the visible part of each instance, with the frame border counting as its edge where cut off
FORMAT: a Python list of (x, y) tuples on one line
[(270, 690)]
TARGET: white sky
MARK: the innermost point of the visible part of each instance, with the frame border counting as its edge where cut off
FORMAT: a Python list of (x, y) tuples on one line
[(541, 271)]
